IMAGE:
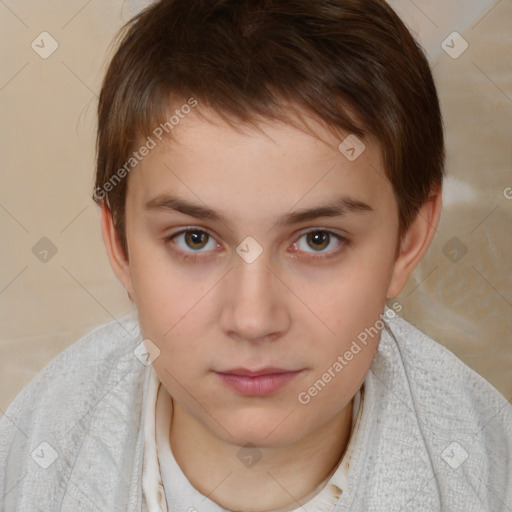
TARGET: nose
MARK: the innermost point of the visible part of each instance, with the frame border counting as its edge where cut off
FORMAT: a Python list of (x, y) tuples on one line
[(255, 307)]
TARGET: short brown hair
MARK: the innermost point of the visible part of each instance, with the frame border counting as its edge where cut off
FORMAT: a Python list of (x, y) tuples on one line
[(245, 58)]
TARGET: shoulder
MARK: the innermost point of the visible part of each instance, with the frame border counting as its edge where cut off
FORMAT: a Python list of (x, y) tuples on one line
[(72, 382), (84, 367), (83, 405), (463, 420), (432, 423), (436, 370)]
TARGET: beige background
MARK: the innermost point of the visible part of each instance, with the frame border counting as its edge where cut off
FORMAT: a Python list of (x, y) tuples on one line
[(462, 299)]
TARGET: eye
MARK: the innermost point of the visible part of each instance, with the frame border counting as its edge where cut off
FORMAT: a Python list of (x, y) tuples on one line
[(195, 239), (192, 241), (318, 240)]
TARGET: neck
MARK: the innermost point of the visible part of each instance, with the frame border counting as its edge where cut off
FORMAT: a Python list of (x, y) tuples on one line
[(281, 477)]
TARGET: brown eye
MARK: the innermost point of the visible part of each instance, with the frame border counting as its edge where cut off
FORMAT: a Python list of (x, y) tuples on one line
[(196, 239), (192, 241), (318, 240)]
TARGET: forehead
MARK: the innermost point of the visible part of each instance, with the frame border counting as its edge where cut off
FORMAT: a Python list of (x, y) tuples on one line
[(204, 129), (270, 167)]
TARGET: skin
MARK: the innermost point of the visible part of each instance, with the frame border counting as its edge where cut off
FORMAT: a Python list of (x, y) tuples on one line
[(289, 308)]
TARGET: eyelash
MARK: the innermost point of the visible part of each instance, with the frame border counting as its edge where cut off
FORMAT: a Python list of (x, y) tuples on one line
[(193, 257)]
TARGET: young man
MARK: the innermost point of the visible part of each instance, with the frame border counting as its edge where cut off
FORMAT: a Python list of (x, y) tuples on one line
[(265, 187)]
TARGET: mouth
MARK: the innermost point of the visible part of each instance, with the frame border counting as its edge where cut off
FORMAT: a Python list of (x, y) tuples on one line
[(245, 372), (257, 382)]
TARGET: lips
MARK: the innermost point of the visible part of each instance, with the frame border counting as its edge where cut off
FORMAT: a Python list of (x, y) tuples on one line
[(256, 373), (264, 381)]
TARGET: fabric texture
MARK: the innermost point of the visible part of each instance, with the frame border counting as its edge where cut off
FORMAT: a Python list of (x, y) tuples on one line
[(166, 487), (433, 434)]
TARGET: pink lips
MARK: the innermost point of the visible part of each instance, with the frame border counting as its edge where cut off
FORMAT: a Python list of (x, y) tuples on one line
[(258, 383)]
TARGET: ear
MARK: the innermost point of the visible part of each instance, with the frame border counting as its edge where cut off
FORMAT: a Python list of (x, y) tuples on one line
[(118, 260), (416, 242)]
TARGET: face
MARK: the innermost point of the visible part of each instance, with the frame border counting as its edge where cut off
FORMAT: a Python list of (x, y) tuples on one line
[(255, 250)]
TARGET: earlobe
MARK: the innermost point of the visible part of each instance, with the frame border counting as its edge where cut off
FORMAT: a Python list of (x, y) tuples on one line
[(416, 242), (118, 259)]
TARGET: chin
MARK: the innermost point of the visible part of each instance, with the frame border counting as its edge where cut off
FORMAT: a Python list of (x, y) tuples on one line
[(269, 432)]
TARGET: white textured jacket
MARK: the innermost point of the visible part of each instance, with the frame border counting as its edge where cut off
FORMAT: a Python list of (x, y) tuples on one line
[(434, 435)]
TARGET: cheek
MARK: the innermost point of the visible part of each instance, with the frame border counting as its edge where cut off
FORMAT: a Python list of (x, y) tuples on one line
[(161, 294), (350, 304), (333, 387), (350, 296), (355, 321), (173, 307), (343, 355)]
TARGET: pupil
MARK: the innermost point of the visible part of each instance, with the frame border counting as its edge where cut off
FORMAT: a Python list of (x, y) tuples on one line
[(195, 238), (319, 237)]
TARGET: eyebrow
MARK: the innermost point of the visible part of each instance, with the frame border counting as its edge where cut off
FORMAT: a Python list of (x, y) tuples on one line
[(336, 207)]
